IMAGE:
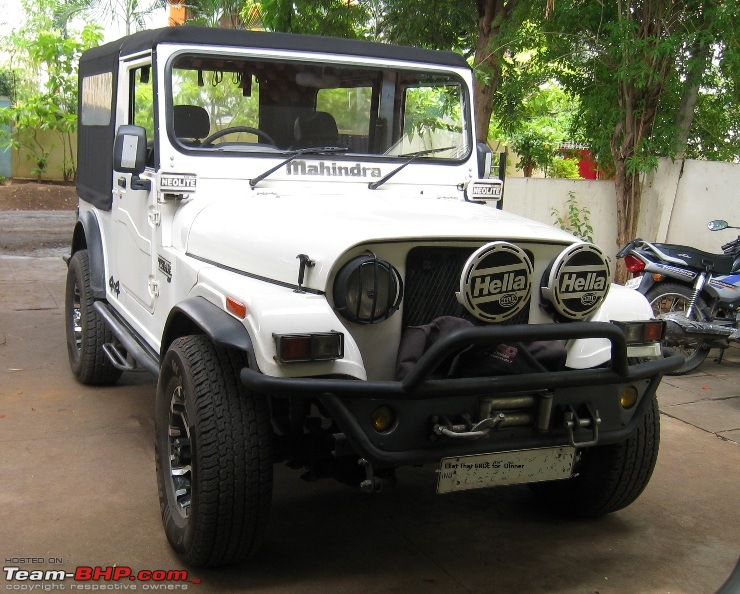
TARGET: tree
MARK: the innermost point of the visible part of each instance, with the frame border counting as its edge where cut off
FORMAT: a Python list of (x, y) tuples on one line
[(480, 31), (133, 13), (226, 14), (46, 58), (334, 18), (541, 121), (7, 83), (637, 66)]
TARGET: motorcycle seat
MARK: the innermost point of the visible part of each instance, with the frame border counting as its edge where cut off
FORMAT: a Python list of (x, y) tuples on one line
[(697, 259)]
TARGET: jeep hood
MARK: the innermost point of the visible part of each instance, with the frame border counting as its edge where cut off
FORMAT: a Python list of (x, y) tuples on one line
[(263, 233)]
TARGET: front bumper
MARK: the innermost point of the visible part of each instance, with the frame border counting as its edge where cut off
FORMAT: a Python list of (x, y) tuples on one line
[(425, 400)]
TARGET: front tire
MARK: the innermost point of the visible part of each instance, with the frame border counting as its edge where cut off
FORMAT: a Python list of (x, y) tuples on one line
[(86, 330), (213, 455), (609, 477), (667, 298)]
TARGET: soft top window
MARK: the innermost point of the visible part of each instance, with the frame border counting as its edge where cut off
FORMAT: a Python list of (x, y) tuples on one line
[(96, 100)]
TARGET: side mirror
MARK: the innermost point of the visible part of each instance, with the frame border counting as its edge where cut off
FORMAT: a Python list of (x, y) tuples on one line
[(484, 160), (129, 150), (717, 225)]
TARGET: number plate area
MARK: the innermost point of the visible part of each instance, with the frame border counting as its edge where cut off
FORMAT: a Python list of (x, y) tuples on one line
[(462, 473)]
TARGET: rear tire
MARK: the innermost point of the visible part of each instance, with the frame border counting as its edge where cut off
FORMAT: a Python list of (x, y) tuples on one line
[(86, 329), (609, 477), (213, 454), (669, 297)]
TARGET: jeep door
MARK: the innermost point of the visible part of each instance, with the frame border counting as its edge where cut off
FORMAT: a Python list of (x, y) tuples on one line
[(134, 199)]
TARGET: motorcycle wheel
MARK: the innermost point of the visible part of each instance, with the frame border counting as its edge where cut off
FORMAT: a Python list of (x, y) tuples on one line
[(667, 298)]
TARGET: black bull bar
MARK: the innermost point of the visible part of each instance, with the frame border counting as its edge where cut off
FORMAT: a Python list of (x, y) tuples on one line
[(419, 385)]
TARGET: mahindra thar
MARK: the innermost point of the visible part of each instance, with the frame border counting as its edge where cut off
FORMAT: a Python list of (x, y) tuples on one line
[(302, 240)]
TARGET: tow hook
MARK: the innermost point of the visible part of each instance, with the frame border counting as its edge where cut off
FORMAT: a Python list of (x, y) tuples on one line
[(373, 483), (571, 421), (478, 430)]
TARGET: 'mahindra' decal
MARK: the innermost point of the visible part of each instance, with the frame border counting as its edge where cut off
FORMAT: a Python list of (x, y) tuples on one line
[(322, 168)]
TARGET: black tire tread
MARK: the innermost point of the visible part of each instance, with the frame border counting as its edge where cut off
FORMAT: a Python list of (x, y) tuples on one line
[(232, 461), (609, 477), (92, 366)]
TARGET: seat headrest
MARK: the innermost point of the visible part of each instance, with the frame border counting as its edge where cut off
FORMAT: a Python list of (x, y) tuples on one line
[(191, 121), (316, 129)]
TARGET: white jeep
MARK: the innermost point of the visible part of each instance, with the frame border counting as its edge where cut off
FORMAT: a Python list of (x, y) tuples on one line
[(299, 237)]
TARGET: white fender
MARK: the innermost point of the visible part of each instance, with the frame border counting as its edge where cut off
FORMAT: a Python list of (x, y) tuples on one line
[(621, 304)]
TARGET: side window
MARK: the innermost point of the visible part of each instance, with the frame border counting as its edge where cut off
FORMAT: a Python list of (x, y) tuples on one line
[(141, 101), (351, 108)]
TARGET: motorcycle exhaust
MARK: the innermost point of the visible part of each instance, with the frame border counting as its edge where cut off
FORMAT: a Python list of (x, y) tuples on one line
[(680, 330)]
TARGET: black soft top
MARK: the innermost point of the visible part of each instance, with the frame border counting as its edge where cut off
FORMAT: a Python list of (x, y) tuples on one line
[(95, 142), (148, 40)]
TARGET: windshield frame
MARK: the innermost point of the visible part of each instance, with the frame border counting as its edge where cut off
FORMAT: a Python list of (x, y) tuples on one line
[(340, 61)]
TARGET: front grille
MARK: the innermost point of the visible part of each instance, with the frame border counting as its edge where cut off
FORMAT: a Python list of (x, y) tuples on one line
[(432, 279)]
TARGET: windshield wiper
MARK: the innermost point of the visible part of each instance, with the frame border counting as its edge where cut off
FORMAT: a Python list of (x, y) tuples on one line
[(412, 157), (312, 150)]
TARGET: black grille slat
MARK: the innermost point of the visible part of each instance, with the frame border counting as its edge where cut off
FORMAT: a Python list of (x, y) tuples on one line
[(432, 279)]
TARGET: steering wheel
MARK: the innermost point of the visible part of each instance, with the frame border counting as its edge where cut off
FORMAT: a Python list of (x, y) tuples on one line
[(236, 130)]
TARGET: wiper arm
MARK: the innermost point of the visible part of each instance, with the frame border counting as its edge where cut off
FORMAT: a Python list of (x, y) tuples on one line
[(412, 157), (312, 150)]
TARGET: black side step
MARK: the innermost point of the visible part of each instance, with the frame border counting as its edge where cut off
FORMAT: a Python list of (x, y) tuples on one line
[(143, 356), (118, 359)]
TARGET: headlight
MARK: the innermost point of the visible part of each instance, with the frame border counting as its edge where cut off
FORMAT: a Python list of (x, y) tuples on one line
[(367, 290), (577, 281)]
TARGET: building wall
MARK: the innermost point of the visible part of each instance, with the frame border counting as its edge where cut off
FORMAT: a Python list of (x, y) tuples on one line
[(678, 201), (23, 164), (5, 154)]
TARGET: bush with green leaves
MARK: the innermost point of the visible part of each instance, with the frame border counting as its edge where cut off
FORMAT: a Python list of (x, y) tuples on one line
[(44, 55), (577, 220)]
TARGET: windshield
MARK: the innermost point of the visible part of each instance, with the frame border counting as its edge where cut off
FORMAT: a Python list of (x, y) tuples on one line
[(240, 105)]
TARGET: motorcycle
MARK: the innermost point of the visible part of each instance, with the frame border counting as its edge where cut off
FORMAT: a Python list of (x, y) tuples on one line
[(697, 293)]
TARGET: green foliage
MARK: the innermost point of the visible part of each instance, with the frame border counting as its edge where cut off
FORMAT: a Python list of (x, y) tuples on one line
[(132, 13), (566, 168), (46, 57), (7, 83), (577, 220), (715, 131), (444, 25), (541, 122), (333, 18), (632, 70), (223, 13)]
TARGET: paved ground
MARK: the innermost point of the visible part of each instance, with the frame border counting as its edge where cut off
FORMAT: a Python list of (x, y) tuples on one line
[(77, 488), (39, 233)]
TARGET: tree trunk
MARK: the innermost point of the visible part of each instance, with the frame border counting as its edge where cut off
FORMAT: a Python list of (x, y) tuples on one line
[(697, 65), (487, 63)]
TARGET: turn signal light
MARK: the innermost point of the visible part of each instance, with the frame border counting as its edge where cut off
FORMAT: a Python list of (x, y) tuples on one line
[(236, 307), (325, 346), (642, 332)]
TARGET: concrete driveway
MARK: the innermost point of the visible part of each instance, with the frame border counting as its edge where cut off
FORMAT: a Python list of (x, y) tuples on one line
[(78, 489)]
